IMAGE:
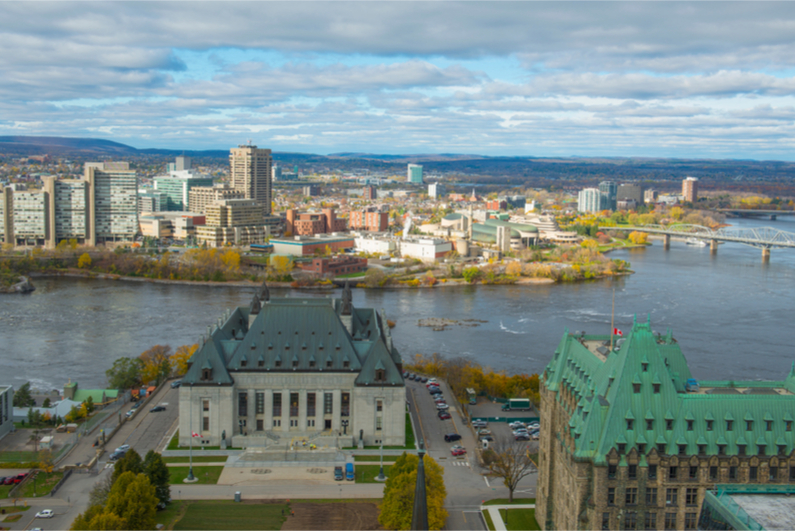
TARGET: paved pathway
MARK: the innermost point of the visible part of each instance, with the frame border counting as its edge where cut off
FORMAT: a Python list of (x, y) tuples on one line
[(279, 490), (496, 517)]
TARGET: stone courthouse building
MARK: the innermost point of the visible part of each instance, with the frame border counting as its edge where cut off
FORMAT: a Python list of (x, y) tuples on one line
[(624, 445), (287, 368)]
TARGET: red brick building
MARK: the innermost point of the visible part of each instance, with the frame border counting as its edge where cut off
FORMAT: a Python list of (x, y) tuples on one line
[(337, 265), (369, 221), (497, 205), (311, 223)]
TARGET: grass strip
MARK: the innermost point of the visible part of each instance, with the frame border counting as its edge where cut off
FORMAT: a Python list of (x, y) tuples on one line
[(516, 501), (489, 523), (368, 473), (207, 475), (196, 459), (41, 485), (226, 514)]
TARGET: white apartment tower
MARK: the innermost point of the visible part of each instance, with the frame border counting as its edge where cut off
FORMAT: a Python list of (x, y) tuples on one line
[(251, 172), (589, 200), (112, 202)]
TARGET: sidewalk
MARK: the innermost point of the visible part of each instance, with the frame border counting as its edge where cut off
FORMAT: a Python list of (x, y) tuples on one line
[(496, 518), (278, 490)]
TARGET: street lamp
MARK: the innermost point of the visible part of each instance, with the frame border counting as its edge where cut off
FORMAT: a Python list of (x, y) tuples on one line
[(345, 427)]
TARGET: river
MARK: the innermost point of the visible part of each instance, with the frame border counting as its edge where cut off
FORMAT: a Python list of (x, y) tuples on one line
[(730, 313)]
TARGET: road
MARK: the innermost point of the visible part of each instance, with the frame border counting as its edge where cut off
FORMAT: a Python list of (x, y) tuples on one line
[(467, 485), (145, 431)]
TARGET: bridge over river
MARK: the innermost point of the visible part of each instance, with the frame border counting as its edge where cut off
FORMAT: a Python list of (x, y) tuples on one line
[(764, 238)]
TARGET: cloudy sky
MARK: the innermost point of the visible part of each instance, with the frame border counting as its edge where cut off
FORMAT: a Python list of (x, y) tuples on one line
[(697, 79)]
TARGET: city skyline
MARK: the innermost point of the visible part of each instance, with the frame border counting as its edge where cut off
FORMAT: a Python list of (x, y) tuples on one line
[(683, 80)]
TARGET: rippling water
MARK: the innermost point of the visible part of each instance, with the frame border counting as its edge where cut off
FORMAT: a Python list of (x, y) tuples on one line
[(731, 314)]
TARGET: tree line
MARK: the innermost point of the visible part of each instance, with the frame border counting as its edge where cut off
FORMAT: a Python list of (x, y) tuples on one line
[(154, 365)]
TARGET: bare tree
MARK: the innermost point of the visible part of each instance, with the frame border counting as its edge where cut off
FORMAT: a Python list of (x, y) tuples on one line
[(510, 461)]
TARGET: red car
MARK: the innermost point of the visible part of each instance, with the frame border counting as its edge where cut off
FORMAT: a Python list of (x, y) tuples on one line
[(458, 451), (444, 415)]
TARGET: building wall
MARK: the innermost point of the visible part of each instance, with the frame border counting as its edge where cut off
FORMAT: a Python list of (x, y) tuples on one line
[(589, 200), (371, 245), (630, 191), (369, 221), (690, 189), (200, 197), (113, 202), (251, 173), (6, 410), (30, 216), (177, 189), (224, 415), (336, 266), (308, 247), (414, 173), (425, 250)]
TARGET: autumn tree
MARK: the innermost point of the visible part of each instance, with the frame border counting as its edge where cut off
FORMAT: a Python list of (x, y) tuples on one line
[(513, 269), (398, 501), (509, 461), (638, 238), (180, 359), (130, 462), (156, 363), (84, 262), (133, 499), (125, 373)]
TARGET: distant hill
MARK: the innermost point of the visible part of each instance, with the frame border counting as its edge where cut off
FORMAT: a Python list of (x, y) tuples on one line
[(40, 144)]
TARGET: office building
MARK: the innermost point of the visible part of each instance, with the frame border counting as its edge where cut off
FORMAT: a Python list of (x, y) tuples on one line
[(311, 223), (630, 191), (30, 217), (68, 210), (152, 201), (276, 173), (250, 170), (630, 440), (200, 197), (180, 164), (236, 222), (335, 265), (589, 200), (414, 174), (609, 191), (370, 193), (426, 249), (749, 507), (368, 220), (177, 186), (650, 196), (311, 190), (287, 368), (309, 245), (690, 190), (112, 202)]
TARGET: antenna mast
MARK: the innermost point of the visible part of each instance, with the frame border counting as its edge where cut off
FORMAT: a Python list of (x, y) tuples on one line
[(613, 318)]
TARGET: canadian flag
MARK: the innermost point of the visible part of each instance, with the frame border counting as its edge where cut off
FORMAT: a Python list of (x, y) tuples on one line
[(617, 332), (194, 434)]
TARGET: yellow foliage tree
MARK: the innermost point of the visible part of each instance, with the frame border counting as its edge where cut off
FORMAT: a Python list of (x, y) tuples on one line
[(677, 213), (282, 265), (589, 243), (83, 411), (84, 261), (638, 238), (156, 363), (398, 501), (179, 361), (231, 259), (514, 269)]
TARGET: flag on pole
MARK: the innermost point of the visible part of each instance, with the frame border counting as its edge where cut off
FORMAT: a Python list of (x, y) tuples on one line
[(194, 434), (617, 332)]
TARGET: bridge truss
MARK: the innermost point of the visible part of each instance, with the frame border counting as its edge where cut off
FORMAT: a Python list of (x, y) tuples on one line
[(762, 237)]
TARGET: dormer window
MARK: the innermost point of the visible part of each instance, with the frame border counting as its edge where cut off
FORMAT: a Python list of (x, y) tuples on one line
[(380, 375), (295, 363), (645, 367), (207, 374), (261, 363), (636, 388), (277, 362), (749, 425), (329, 363), (346, 364), (656, 388), (312, 363), (243, 363)]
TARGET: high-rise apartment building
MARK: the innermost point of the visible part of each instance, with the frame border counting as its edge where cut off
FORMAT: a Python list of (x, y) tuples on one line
[(251, 173), (435, 190), (690, 189), (370, 193), (609, 191), (414, 173), (589, 200), (30, 217), (112, 202), (67, 210)]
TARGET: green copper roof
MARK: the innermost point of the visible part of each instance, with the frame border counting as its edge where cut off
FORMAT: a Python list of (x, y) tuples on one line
[(634, 394), (298, 335)]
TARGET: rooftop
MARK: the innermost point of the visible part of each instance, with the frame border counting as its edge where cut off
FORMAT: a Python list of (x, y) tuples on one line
[(753, 506)]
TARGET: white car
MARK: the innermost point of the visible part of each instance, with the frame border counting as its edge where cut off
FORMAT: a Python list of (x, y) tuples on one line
[(122, 448), (515, 425), (46, 513), (442, 406), (533, 425)]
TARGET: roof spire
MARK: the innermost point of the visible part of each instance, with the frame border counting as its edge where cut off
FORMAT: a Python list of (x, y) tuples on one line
[(255, 305), (419, 517), (264, 292), (347, 297)]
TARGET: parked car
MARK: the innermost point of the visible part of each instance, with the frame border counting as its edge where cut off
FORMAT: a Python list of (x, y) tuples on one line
[(46, 513), (349, 475), (521, 437), (517, 424), (130, 413), (444, 415), (338, 475), (486, 438), (136, 405), (450, 437), (9, 480), (458, 451), (439, 398), (122, 448), (176, 384), (484, 431), (431, 383), (479, 423), (405, 374), (424, 379), (157, 408), (435, 391), (115, 456), (442, 405), (534, 436)]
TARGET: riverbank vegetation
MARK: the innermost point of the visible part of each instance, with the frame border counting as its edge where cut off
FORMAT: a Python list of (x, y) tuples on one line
[(154, 365), (462, 373)]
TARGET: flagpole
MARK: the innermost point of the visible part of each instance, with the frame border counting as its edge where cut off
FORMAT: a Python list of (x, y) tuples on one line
[(613, 319), (190, 451)]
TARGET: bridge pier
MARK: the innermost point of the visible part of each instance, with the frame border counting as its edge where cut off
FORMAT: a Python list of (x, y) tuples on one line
[(666, 241), (765, 254), (713, 246), (772, 217)]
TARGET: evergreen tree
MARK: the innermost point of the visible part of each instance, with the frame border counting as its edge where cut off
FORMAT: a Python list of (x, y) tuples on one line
[(22, 396), (131, 462), (157, 472)]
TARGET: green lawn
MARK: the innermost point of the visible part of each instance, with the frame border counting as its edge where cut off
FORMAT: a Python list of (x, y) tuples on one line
[(197, 459), (223, 514), (367, 473), (18, 457), (44, 483), (173, 444), (409, 432), (4, 490), (376, 458), (516, 501), (18, 509), (207, 475), (351, 275), (519, 519)]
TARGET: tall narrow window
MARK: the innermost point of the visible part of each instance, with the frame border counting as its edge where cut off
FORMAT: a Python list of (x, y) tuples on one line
[(260, 398), (345, 408), (242, 404), (293, 404), (277, 405), (310, 404), (328, 403)]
